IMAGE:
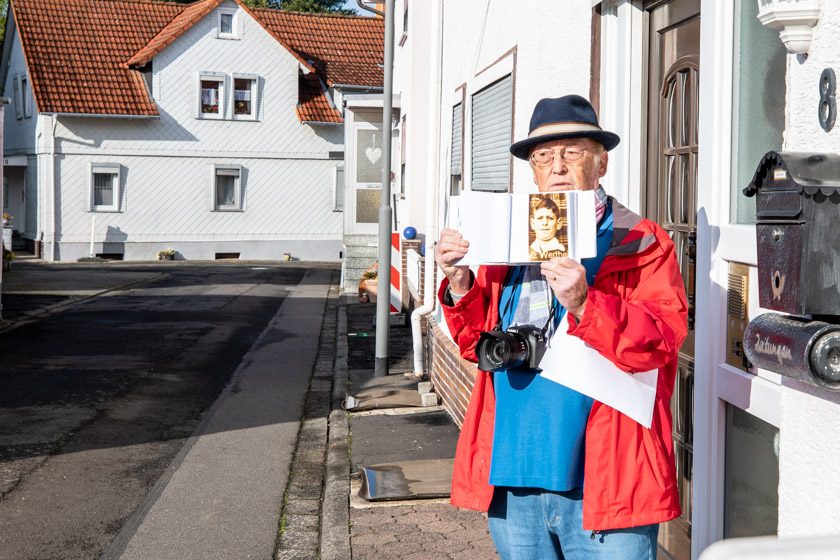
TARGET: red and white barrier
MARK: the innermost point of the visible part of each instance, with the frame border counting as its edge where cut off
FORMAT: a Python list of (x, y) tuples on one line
[(396, 266)]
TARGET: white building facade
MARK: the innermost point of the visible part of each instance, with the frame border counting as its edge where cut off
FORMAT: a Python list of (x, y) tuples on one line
[(699, 91), (228, 167)]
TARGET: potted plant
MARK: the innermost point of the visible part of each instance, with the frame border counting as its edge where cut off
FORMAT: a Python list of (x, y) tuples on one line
[(368, 283), (8, 257), (166, 254)]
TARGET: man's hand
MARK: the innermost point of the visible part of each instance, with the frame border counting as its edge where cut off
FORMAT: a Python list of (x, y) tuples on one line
[(567, 279), (451, 247)]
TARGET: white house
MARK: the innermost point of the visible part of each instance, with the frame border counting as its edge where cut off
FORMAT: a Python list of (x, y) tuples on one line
[(210, 128), (699, 91)]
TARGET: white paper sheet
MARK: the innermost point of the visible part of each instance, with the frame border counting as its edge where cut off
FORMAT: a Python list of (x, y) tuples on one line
[(570, 362)]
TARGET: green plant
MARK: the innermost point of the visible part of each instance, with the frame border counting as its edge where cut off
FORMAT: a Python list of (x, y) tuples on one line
[(166, 253)]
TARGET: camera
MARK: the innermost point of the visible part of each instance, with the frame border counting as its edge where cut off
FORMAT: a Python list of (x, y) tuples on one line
[(518, 346)]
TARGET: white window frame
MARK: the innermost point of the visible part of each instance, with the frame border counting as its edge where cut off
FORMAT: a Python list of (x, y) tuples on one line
[(234, 24), (338, 190), (212, 77), (17, 97), (255, 97), (227, 169), (109, 169), (489, 75)]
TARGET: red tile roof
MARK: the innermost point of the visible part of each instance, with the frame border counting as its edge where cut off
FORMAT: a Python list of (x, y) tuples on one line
[(180, 23), (313, 103), (74, 51), (79, 52), (343, 49)]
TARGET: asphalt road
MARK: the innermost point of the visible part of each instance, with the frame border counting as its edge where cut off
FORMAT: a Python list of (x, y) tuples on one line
[(97, 400)]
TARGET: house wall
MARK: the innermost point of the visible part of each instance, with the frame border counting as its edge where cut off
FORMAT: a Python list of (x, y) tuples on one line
[(167, 162), (18, 134), (551, 46), (809, 500)]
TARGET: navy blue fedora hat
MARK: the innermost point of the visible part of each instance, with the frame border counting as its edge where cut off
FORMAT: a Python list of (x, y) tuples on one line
[(570, 116)]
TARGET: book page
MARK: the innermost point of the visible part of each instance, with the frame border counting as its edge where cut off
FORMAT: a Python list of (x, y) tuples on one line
[(540, 226), (484, 221), (585, 230)]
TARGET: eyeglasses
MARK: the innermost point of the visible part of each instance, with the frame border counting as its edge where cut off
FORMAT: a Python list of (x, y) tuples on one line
[(570, 154)]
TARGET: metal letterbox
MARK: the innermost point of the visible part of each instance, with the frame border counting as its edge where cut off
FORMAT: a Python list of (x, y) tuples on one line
[(798, 232)]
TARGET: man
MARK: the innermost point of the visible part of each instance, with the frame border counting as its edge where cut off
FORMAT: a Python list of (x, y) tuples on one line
[(561, 475)]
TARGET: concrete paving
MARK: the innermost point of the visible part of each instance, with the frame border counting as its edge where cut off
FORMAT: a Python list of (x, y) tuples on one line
[(224, 498)]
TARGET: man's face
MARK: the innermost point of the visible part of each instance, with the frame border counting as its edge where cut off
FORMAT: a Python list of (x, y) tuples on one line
[(544, 224), (580, 175)]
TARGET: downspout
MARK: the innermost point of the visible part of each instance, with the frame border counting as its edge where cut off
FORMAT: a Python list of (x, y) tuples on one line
[(52, 189), (367, 8), (436, 94)]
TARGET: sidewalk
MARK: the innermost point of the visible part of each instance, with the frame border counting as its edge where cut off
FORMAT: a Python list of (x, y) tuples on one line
[(415, 529)]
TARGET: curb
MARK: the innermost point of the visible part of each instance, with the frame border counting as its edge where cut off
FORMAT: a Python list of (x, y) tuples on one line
[(335, 512)]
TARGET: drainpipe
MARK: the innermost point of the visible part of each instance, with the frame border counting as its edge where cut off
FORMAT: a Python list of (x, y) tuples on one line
[(367, 8), (52, 188), (435, 94), (383, 302)]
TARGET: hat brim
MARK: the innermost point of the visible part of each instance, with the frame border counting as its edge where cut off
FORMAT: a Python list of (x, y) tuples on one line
[(607, 139)]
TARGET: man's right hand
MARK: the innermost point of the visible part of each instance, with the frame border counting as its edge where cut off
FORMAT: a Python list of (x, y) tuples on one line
[(451, 247)]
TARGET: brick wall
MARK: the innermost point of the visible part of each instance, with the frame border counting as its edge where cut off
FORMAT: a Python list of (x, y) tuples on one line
[(451, 375)]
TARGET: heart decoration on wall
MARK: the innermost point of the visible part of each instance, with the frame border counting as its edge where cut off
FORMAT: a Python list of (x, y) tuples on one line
[(373, 154)]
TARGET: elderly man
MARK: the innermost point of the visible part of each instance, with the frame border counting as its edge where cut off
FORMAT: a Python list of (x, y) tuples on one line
[(561, 475)]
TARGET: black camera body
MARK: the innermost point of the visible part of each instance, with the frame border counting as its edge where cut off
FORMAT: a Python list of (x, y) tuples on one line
[(520, 346)]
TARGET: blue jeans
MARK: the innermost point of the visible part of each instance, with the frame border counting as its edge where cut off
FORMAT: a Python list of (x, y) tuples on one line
[(533, 524)]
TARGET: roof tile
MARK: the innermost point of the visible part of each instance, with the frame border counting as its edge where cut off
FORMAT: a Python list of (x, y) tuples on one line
[(79, 51)]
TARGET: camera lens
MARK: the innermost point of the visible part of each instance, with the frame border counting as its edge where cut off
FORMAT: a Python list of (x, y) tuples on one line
[(501, 350)]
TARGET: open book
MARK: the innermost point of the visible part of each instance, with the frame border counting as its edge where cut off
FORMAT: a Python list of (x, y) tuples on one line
[(518, 228)]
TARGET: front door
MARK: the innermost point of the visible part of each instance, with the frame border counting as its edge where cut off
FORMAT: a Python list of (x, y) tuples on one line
[(671, 200), (364, 179)]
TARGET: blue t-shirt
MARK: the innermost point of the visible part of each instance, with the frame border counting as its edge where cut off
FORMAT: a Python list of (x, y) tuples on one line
[(538, 438)]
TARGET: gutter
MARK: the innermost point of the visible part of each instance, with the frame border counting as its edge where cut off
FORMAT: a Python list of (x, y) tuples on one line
[(105, 116), (52, 188), (435, 92)]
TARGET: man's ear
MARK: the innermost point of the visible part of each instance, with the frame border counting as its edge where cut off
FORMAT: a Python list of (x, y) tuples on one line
[(602, 164)]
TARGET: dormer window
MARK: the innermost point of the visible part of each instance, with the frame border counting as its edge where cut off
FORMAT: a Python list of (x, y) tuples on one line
[(227, 25)]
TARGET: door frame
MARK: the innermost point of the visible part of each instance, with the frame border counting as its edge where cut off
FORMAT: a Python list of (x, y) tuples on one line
[(624, 110)]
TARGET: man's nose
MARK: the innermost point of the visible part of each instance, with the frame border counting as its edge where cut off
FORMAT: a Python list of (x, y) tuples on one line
[(558, 165)]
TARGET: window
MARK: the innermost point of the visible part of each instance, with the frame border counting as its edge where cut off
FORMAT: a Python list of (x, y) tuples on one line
[(244, 97), (338, 189), (24, 96), (18, 102), (758, 103), (492, 114), (403, 142), (456, 165), (227, 25), (105, 188), (227, 188), (211, 101)]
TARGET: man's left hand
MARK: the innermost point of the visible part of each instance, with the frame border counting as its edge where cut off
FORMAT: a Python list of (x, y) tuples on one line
[(567, 279)]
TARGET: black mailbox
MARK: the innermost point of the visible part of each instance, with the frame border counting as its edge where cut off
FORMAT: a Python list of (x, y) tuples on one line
[(798, 232)]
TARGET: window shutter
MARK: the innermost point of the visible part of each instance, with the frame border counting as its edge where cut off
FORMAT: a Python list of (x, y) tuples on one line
[(457, 121), (492, 113), (18, 100)]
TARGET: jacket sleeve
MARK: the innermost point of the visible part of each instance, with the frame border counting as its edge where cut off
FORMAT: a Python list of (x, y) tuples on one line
[(642, 328), (468, 317)]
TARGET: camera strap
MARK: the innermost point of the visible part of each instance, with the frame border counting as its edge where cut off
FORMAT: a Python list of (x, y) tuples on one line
[(510, 294)]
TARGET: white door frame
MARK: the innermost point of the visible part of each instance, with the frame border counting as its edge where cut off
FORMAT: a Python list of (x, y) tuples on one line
[(719, 242)]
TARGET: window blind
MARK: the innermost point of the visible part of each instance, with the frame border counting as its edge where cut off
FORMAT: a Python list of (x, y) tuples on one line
[(492, 114)]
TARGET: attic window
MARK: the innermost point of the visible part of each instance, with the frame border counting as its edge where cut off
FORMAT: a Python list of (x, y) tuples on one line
[(211, 101), (227, 25)]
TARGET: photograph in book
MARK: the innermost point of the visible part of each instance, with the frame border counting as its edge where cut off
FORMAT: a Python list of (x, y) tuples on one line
[(548, 226)]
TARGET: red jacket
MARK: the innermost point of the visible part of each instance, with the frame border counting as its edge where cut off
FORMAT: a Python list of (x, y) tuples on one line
[(636, 316)]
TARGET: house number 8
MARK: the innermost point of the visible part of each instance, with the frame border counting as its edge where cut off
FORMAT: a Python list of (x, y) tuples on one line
[(828, 104)]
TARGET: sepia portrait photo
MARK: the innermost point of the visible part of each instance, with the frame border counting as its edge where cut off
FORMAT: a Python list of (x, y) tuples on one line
[(548, 226)]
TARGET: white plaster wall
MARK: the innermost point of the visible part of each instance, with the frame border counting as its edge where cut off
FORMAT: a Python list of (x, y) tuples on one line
[(283, 200), (413, 76), (553, 54), (809, 478), (18, 134)]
